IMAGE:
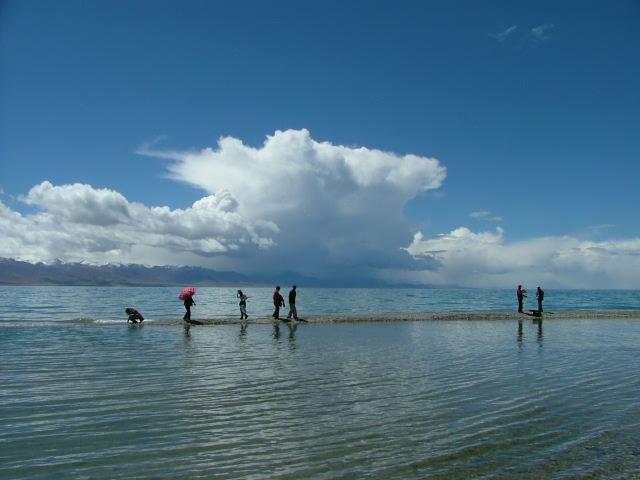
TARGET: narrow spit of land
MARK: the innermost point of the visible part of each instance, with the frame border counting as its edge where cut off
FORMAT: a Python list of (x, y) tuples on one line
[(412, 317)]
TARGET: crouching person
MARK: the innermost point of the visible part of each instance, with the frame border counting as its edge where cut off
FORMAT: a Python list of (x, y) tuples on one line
[(134, 315)]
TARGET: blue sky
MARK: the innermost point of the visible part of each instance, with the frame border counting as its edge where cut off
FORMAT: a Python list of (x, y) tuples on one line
[(479, 143)]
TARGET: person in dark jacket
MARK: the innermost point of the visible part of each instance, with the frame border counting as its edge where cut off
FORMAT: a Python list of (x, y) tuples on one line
[(292, 304), (188, 303), (540, 297), (243, 304), (134, 315)]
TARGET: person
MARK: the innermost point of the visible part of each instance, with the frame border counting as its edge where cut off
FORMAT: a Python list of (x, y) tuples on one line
[(134, 315), (521, 293), (540, 297), (292, 304), (243, 305), (188, 303), (278, 302)]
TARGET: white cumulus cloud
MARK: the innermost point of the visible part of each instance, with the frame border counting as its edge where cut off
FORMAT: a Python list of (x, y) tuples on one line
[(80, 223), (291, 204), (485, 259), (294, 203), (336, 207)]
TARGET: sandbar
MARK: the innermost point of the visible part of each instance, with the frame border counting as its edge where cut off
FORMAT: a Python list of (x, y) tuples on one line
[(426, 316)]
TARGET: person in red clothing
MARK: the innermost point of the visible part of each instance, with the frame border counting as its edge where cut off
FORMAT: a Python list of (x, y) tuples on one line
[(278, 301), (521, 293)]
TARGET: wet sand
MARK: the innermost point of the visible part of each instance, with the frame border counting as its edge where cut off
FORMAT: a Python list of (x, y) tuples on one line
[(412, 317)]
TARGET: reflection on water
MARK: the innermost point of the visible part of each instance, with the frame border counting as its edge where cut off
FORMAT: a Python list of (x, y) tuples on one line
[(537, 322), (243, 331), (407, 400), (187, 331), (290, 331), (520, 330)]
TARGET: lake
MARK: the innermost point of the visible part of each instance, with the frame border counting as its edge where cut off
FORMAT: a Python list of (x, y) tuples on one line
[(98, 399)]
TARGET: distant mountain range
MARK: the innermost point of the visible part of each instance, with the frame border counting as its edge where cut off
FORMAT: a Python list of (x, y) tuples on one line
[(15, 272)]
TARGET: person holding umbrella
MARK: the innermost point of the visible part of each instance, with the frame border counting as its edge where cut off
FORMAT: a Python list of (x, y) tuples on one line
[(187, 295)]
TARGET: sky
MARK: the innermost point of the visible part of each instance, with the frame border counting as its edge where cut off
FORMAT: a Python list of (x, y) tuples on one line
[(477, 143)]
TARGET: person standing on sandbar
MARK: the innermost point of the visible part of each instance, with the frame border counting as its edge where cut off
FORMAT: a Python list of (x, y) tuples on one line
[(540, 297), (243, 304), (521, 293), (292, 303), (278, 301)]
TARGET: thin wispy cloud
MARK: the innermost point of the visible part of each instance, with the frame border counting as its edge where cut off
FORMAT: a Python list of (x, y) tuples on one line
[(503, 35), (486, 215), (541, 32), (599, 228)]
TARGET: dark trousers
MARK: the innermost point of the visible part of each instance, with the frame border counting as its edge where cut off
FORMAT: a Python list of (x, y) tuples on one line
[(276, 313), (540, 304), (187, 315), (134, 317), (520, 305)]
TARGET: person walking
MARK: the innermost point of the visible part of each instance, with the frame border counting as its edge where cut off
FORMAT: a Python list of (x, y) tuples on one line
[(278, 301), (186, 295), (292, 304), (188, 303), (521, 293), (243, 305), (539, 297)]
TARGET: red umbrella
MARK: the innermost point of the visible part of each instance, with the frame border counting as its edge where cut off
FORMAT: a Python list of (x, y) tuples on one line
[(187, 292)]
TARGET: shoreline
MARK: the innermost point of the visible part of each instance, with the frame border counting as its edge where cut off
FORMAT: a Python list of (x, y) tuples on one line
[(413, 317)]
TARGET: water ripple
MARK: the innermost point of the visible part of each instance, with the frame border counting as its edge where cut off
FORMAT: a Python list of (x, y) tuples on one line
[(407, 401)]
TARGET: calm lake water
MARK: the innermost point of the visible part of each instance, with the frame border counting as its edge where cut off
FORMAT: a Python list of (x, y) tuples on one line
[(97, 399), (107, 304)]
